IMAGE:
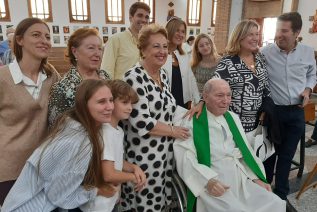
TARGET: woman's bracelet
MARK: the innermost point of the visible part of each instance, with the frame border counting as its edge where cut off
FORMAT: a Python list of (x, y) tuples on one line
[(172, 129)]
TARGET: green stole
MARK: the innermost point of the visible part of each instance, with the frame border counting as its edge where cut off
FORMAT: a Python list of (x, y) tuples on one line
[(202, 145)]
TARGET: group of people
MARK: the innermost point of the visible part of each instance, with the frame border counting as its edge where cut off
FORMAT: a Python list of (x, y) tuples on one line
[(107, 133)]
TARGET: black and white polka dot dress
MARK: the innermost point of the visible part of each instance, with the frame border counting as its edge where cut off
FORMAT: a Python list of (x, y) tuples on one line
[(154, 154)]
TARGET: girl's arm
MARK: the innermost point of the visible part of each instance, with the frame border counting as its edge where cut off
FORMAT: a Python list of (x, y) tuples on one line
[(138, 173), (111, 175)]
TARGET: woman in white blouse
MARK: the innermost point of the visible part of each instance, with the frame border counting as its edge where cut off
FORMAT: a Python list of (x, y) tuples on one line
[(181, 78), (24, 90)]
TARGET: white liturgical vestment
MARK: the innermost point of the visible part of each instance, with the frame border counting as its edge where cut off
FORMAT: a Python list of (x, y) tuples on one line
[(227, 166)]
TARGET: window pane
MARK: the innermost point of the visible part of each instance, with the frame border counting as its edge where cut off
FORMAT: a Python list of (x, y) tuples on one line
[(214, 12), (40, 9), (193, 12), (79, 10), (269, 31), (114, 11), (4, 10)]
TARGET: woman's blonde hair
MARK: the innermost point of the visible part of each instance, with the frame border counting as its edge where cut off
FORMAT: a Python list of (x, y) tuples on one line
[(145, 34), (240, 31), (171, 27), (197, 57)]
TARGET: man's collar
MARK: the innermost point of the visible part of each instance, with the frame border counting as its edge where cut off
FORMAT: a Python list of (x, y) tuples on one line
[(284, 51), (134, 39)]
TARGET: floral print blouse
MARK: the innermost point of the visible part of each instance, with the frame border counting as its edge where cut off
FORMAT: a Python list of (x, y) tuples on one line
[(62, 96)]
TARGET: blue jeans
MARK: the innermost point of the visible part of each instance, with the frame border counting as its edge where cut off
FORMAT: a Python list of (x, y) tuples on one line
[(292, 126)]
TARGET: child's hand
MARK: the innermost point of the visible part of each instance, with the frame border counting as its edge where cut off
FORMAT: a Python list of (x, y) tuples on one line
[(108, 190), (140, 178)]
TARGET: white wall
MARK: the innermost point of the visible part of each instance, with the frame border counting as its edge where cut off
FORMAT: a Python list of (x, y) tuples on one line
[(18, 11), (308, 8), (236, 13)]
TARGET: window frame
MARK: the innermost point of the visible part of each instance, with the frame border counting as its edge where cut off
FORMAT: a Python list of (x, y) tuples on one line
[(152, 12), (7, 16), (213, 8), (50, 15), (108, 21), (72, 20), (188, 15)]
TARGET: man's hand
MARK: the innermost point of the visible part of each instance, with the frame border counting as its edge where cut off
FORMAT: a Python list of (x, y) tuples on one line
[(305, 96), (262, 184), (195, 109), (216, 188)]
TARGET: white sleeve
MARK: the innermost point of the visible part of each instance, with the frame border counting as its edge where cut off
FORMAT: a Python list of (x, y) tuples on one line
[(108, 147), (194, 175)]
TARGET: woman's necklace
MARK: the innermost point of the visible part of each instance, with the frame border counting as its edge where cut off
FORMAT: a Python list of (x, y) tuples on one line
[(156, 79), (174, 59), (249, 62)]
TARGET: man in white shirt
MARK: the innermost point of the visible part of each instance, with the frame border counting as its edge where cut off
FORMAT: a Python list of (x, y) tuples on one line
[(217, 163), (291, 70)]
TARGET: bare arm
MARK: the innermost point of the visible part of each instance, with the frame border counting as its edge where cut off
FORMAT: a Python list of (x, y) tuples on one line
[(113, 176), (140, 177), (161, 129)]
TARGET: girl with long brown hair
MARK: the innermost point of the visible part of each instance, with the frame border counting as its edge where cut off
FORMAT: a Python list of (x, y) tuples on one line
[(66, 171)]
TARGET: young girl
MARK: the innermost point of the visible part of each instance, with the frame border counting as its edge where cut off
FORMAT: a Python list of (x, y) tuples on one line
[(204, 60), (115, 169), (65, 171)]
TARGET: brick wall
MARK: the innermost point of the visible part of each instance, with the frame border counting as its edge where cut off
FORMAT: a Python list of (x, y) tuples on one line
[(253, 9), (222, 24)]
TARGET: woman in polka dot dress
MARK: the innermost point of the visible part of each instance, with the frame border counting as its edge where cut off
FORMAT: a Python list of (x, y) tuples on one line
[(149, 131)]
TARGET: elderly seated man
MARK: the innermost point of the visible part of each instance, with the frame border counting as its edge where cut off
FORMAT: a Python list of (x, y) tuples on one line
[(217, 163)]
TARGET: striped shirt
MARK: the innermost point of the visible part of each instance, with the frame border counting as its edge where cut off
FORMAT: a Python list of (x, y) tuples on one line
[(52, 176)]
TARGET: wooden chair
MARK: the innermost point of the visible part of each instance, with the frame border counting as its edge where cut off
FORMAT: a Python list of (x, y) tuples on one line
[(308, 182)]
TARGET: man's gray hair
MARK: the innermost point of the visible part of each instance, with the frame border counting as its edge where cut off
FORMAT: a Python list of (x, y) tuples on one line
[(209, 84)]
